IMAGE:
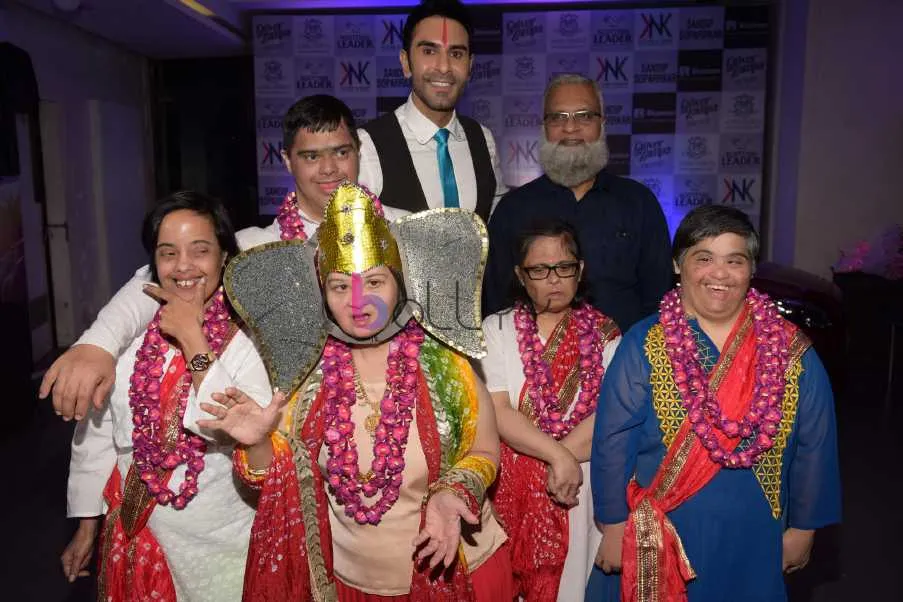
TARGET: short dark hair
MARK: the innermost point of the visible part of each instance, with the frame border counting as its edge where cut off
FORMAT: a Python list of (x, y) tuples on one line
[(317, 113), (450, 9), (551, 228), (710, 221), (197, 202)]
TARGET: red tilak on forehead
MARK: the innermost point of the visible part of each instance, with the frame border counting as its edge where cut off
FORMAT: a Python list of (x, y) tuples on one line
[(444, 31)]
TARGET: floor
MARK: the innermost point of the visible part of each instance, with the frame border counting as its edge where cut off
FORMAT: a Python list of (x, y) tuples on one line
[(858, 561)]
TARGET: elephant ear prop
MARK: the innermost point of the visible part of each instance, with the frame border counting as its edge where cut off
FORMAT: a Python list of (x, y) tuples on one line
[(273, 288), (444, 255)]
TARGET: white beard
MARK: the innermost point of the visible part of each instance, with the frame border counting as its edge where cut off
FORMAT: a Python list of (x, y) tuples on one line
[(572, 165)]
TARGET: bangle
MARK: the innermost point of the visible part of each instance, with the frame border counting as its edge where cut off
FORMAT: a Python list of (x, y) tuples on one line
[(252, 477)]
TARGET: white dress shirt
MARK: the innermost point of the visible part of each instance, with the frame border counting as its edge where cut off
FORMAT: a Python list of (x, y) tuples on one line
[(206, 543), (130, 310), (418, 132)]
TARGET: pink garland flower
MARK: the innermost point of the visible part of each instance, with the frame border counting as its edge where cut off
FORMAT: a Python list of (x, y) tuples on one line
[(540, 386), (149, 453), (760, 424), (391, 435)]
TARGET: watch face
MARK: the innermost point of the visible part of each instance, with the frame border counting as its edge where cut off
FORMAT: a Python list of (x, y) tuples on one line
[(200, 362)]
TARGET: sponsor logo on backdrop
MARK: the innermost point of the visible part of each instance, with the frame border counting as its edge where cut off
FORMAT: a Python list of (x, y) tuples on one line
[(568, 25), (524, 73), (655, 29), (618, 113), (614, 72), (612, 30), (314, 75), (313, 35), (390, 31), (390, 79), (654, 113), (746, 27), (355, 76), (269, 117), (520, 160), (354, 35), (702, 27), (699, 70), (523, 113), (741, 153), (652, 154), (525, 67), (524, 31), (481, 109), (698, 154), (743, 111), (698, 112), (270, 194), (741, 192), (272, 36), (272, 71), (269, 154), (694, 191), (557, 64), (618, 154), (273, 76), (655, 72), (660, 186), (363, 109), (568, 30), (486, 75), (744, 69)]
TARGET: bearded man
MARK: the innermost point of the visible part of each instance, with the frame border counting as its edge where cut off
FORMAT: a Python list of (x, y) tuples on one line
[(621, 226)]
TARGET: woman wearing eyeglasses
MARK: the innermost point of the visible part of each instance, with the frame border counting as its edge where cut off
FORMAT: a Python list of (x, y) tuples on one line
[(545, 363)]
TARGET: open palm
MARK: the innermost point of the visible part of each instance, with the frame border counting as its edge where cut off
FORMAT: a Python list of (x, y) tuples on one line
[(441, 532), (242, 418)]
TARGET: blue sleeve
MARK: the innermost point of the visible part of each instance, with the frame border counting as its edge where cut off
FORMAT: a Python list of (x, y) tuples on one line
[(620, 415), (813, 485), (500, 262), (655, 270)]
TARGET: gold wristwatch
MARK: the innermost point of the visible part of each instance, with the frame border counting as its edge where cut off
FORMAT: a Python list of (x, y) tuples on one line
[(201, 362)]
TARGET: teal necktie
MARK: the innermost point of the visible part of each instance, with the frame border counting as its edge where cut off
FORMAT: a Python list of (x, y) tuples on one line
[(446, 170)]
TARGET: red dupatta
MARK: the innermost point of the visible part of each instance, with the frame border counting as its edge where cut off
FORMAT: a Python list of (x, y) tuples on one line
[(654, 564)]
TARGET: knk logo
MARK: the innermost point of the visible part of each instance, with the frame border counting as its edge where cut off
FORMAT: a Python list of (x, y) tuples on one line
[(656, 27), (392, 33), (272, 154), (612, 71), (355, 74), (522, 153), (738, 191)]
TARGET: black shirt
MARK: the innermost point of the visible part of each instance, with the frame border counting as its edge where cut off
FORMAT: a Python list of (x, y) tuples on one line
[(623, 235)]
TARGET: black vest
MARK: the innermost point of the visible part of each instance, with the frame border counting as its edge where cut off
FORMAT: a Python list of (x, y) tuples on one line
[(402, 189)]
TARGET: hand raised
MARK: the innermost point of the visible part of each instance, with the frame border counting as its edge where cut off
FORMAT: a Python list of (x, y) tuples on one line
[(242, 418), (441, 532), (182, 314), (82, 375)]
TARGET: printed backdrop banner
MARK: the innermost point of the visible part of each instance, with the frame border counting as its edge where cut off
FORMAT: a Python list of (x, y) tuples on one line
[(684, 89)]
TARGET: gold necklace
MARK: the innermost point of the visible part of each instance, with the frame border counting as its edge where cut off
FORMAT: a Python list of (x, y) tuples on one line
[(372, 421)]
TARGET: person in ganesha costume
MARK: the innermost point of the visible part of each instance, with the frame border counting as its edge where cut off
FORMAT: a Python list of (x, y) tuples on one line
[(714, 453), (387, 441)]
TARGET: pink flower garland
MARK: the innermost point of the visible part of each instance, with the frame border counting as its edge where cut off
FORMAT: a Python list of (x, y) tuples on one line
[(391, 435), (763, 419), (291, 224), (538, 373), (148, 435)]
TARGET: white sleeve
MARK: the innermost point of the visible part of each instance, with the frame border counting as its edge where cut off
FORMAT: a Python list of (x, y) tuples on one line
[(371, 173), (123, 318), (609, 351), (239, 366), (500, 188), (493, 365), (253, 236), (93, 459)]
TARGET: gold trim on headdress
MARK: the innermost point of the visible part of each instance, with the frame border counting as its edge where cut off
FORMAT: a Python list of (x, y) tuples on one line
[(353, 238)]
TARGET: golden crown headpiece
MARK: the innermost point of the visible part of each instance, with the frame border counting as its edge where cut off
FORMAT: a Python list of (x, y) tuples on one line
[(353, 236)]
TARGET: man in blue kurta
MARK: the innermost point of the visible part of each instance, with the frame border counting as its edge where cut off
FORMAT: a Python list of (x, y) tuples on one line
[(709, 489)]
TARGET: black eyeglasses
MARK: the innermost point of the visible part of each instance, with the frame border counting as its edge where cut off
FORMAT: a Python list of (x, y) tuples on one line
[(560, 118), (565, 269)]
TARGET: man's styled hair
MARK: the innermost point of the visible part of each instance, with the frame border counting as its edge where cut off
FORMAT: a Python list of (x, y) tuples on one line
[(563, 79), (198, 203), (450, 9), (317, 113), (710, 221)]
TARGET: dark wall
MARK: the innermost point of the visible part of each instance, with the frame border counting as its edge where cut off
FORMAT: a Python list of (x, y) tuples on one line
[(203, 119)]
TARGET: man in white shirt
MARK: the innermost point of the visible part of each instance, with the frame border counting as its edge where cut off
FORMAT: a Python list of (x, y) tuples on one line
[(425, 155), (322, 150)]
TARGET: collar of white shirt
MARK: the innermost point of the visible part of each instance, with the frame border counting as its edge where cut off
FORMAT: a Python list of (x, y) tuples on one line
[(421, 127)]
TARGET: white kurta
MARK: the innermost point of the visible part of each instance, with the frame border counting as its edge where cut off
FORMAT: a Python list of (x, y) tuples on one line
[(503, 370), (206, 543)]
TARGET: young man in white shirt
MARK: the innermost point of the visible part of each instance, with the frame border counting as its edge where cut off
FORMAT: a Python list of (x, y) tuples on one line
[(322, 150), (401, 157)]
